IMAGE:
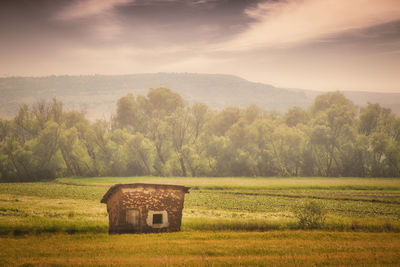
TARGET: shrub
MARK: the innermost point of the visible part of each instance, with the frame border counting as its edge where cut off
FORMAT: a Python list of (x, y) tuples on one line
[(311, 215)]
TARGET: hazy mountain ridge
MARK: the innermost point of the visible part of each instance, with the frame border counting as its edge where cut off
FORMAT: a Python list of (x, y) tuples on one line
[(98, 93)]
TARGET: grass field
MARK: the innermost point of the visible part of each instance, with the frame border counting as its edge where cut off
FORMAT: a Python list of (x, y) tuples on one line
[(226, 220), (276, 248)]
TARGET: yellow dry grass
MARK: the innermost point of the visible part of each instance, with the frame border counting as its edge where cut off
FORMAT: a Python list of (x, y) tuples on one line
[(277, 248)]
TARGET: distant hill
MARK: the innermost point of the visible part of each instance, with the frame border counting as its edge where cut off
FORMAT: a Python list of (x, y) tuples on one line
[(98, 93)]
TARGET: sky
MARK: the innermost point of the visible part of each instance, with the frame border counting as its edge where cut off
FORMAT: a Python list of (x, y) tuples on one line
[(309, 44)]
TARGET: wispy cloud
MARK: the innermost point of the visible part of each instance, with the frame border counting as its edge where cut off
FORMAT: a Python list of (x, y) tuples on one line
[(84, 8), (291, 22), (104, 25)]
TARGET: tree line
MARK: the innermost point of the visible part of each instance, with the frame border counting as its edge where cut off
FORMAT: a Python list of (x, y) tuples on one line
[(159, 134)]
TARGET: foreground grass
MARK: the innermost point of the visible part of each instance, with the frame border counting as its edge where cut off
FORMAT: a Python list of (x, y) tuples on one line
[(72, 205), (226, 221), (277, 248)]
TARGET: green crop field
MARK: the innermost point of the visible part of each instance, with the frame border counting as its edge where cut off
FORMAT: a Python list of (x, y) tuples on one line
[(248, 221)]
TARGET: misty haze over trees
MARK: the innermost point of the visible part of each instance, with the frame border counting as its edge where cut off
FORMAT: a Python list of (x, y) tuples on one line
[(99, 93), (160, 135)]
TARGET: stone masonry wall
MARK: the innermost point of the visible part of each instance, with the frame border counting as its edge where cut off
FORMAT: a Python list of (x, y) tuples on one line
[(145, 199)]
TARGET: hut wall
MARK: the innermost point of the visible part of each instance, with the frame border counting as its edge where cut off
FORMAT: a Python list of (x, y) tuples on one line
[(116, 213), (155, 201), (148, 201)]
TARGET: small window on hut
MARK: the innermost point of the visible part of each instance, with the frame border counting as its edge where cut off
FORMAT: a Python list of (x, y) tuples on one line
[(157, 218)]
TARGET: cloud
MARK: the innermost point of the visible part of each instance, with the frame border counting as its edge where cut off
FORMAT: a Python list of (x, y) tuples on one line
[(292, 22), (103, 23), (84, 8)]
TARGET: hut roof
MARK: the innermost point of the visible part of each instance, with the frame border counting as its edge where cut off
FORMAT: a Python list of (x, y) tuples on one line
[(115, 188)]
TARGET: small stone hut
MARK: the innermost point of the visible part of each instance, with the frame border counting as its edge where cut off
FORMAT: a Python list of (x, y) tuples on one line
[(144, 208)]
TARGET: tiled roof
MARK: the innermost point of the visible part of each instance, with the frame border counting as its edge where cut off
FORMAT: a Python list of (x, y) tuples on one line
[(115, 188)]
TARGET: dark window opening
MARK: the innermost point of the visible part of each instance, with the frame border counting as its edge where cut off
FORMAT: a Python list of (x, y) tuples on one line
[(157, 219)]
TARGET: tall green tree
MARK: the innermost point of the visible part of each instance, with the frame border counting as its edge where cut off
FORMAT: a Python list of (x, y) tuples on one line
[(333, 131)]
